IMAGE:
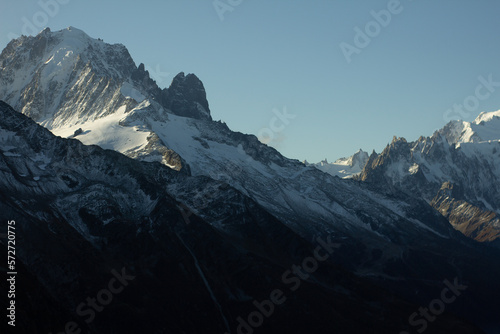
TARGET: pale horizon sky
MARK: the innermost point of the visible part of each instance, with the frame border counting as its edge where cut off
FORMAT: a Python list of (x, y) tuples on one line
[(257, 59)]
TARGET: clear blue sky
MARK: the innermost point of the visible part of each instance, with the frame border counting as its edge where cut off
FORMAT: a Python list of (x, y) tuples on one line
[(267, 55)]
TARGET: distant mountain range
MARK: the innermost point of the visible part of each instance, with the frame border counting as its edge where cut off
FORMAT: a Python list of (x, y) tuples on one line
[(456, 170), (104, 170), (344, 167)]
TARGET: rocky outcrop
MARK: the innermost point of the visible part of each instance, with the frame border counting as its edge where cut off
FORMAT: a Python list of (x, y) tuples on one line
[(475, 222), (186, 97), (343, 167)]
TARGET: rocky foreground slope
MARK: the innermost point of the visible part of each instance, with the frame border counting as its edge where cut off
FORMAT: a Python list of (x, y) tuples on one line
[(85, 215)]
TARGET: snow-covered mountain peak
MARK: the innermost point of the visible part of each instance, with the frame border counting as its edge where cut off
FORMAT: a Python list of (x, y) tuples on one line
[(63, 46), (357, 159), (487, 116), (343, 167), (485, 128), (71, 33), (78, 39), (454, 131), (66, 78)]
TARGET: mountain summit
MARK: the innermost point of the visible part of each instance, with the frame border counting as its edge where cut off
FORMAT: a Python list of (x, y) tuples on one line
[(343, 167), (65, 77), (485, 128), (71, 83)]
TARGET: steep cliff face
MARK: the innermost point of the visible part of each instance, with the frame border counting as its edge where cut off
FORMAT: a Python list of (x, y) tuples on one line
[(186, 97), (475, 222)]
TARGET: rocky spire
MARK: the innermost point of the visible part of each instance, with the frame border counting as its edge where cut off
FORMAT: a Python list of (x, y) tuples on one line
[(186, 96)]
